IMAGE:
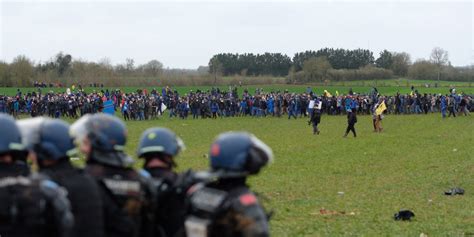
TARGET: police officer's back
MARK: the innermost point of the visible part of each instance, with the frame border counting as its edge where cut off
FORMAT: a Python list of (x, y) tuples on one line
[(158, 147), (124, 194), (50, 144), (226, 206), (29, 206)]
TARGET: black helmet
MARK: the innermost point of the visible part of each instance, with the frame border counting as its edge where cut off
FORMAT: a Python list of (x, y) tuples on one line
[(48, 138), (159, 140), (239, 152)]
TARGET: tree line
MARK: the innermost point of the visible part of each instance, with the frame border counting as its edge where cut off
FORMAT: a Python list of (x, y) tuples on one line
[(322, 65), (329, 64)]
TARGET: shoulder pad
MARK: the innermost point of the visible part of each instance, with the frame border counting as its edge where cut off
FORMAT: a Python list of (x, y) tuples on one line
[(57, 196), (208, 199)]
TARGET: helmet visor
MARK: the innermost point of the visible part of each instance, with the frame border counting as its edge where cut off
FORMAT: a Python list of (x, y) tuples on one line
[(265, 150), (80, 129), (30, 130)]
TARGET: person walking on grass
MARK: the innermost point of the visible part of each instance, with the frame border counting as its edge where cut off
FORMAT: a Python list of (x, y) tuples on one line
[(451, 107), (463, 106), (315, 120), (444, 106), (351, 121), (379, 108)]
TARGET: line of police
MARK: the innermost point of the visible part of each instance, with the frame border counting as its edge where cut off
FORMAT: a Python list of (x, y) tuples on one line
[(108, 197)]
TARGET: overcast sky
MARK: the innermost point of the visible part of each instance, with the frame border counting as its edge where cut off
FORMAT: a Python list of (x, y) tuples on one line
[(187, 34)]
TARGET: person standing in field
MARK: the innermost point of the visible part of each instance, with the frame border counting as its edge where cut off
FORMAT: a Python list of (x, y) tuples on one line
[(451, 108), (443, 106), (315, 120), (351, 121), (463, 106)]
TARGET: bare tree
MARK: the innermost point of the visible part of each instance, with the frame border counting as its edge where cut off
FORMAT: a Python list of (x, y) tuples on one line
[(130, 64), (440, 58), (152, 68), (106, 63), (216, 68)]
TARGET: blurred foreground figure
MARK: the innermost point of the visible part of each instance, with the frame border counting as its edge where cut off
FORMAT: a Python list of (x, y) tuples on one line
[(29, 206), (50, 147), (159, 147), (225, 206), (125, 193)]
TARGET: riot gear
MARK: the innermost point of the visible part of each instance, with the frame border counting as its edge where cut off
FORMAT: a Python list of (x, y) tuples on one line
[(222, 204), (125, 194), (159, 146), (29, 206), (49, 140)]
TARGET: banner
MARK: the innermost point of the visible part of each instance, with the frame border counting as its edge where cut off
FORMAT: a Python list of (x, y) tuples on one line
[(311, 104), (380, 108), (109, 107), (320, 105)]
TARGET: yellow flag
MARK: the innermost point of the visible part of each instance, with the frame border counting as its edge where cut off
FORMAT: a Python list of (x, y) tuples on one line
[(337, 93), (380, 108), (327, 93)]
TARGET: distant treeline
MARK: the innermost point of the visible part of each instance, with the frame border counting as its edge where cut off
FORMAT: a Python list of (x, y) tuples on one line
[(329, 64), (324, 65), (277, 64)]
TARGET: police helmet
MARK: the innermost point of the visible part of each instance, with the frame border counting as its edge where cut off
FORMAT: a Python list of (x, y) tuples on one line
[(106, 133), (10, 137), (107, 136), (159, 140), (239, 152), (48, 138)]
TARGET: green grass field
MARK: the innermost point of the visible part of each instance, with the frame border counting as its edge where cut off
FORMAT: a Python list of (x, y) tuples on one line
[(409, 166), (386, 87)]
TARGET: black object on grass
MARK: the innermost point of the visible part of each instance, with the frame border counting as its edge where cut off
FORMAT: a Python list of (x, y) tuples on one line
[(404, 215), (455, 191)]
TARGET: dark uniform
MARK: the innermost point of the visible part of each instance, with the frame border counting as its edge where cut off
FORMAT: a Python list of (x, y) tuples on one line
[(50, 141), (225, 209), (84, 195), (29, 206), (125, 194), (315, 120), (170, 211), (351, 121), (159, 146), (225, 206), (32, 206), (124, 198)]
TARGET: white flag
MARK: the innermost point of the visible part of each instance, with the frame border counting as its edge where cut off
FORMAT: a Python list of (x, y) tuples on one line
[(320, 105), (311, 104)]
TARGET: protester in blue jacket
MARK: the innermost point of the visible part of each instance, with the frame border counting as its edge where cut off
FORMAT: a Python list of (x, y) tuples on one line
[(443, 106)]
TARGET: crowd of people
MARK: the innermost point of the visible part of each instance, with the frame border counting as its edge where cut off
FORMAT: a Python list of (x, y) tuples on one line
[(214, 103), (108, 197)]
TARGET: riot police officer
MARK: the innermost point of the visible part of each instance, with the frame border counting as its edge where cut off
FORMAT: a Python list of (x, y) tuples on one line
[(29, 206), (158, 147), (226, 206), (124, 192), (51, 147)]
